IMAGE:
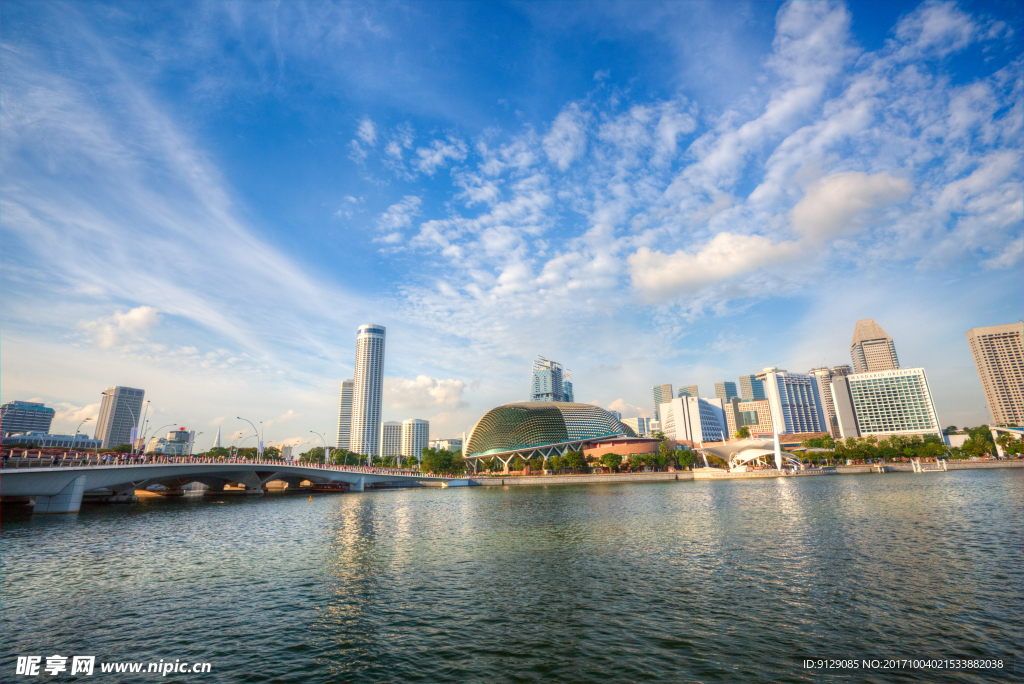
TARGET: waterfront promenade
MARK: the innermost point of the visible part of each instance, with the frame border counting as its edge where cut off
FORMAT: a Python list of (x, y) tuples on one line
[(722, 474)]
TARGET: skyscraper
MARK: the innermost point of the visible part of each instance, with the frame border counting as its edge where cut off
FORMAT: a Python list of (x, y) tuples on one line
[(889, 402), (872, 349), (25, 416), (415, 437), (794, 401), (751, 388), (367, 390), (345, 414), (823, 376), (119, 413), (662, 394), (216, 440), (693, 419), (998, 352), (390, 438), (726, 390), (550, 382), (688, 391)]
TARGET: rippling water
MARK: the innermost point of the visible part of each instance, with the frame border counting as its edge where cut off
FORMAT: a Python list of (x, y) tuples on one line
[(690, 581)]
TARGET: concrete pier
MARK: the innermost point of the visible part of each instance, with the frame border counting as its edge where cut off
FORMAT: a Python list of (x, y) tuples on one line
[(67, 500)]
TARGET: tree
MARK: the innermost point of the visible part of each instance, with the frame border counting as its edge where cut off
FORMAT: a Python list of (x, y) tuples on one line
[(271, 453), (219, 452), (536, 464), (665, 452), (122, 448), (314, 455), (949, 430), (743, 432), (686, 458), (518, 463), (575, 460), (556, 463), (611, 461), (636, 462)]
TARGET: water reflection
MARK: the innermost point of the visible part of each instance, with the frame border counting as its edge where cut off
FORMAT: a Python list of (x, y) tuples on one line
[(717, 581)]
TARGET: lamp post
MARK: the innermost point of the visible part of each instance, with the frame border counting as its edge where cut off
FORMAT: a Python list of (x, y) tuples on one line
[(136, 416), (191, 443), (75, 438), (258, 438), (325, 444), (156, 432)]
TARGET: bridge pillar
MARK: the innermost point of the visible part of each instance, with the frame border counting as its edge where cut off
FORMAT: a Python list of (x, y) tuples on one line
[(357, 486), (123, 496), (68, 500)]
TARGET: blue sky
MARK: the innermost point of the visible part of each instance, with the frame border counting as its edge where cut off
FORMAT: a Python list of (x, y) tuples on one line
[(205, 200)]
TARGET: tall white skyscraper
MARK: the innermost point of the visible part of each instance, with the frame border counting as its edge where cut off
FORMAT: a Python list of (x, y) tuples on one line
[(119, 413), (216, 440), (390, 438), (368, 390), (998, 352), (415, 436), (345, 415), (872, 349)]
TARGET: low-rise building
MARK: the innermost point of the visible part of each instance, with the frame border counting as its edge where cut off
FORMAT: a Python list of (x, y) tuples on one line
[(177, 443), (450, 444), (45, 440)]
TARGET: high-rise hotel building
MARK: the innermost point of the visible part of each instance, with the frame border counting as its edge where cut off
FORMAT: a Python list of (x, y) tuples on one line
[(119, 413), (368, 390), (872, 349), (998, 353), (891, 402), (391, 439), (345, 414)]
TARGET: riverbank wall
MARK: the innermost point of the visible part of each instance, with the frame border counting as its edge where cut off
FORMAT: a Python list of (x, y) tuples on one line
[(716, 474)]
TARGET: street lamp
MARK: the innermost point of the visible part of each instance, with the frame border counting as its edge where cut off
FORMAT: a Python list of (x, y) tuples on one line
[(156, 432), (75, 438), (326, 452), (254, 430), (136, 416), (192, 443)]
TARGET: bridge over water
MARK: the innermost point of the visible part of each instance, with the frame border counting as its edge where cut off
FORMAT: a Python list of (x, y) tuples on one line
[(58, 486)]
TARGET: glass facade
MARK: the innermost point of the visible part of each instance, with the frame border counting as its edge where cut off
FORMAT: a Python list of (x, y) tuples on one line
[(532, 424), (893, 402)]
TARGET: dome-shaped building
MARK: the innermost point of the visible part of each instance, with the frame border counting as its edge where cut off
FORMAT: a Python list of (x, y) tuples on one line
[(544, 427)]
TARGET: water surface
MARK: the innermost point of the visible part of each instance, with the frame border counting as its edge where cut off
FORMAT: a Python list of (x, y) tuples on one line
[(689, 581)]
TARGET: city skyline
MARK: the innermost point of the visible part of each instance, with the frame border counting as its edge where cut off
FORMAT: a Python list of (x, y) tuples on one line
[(472, 212)]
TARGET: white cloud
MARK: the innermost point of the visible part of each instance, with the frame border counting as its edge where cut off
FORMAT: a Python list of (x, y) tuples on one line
[(440, 151), (628, 410), (70, 415), (423, 393), (838, 204), (120, 327), (398, 217), (567, 139), (726, 256), (1012, 256), (367, 132)]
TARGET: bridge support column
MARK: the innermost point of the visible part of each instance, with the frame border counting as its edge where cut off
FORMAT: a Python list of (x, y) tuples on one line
[(68, 500), (357, 486), (123, 496)]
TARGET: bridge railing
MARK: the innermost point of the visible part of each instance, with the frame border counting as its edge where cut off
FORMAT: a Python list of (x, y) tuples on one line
[(80, 459)]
